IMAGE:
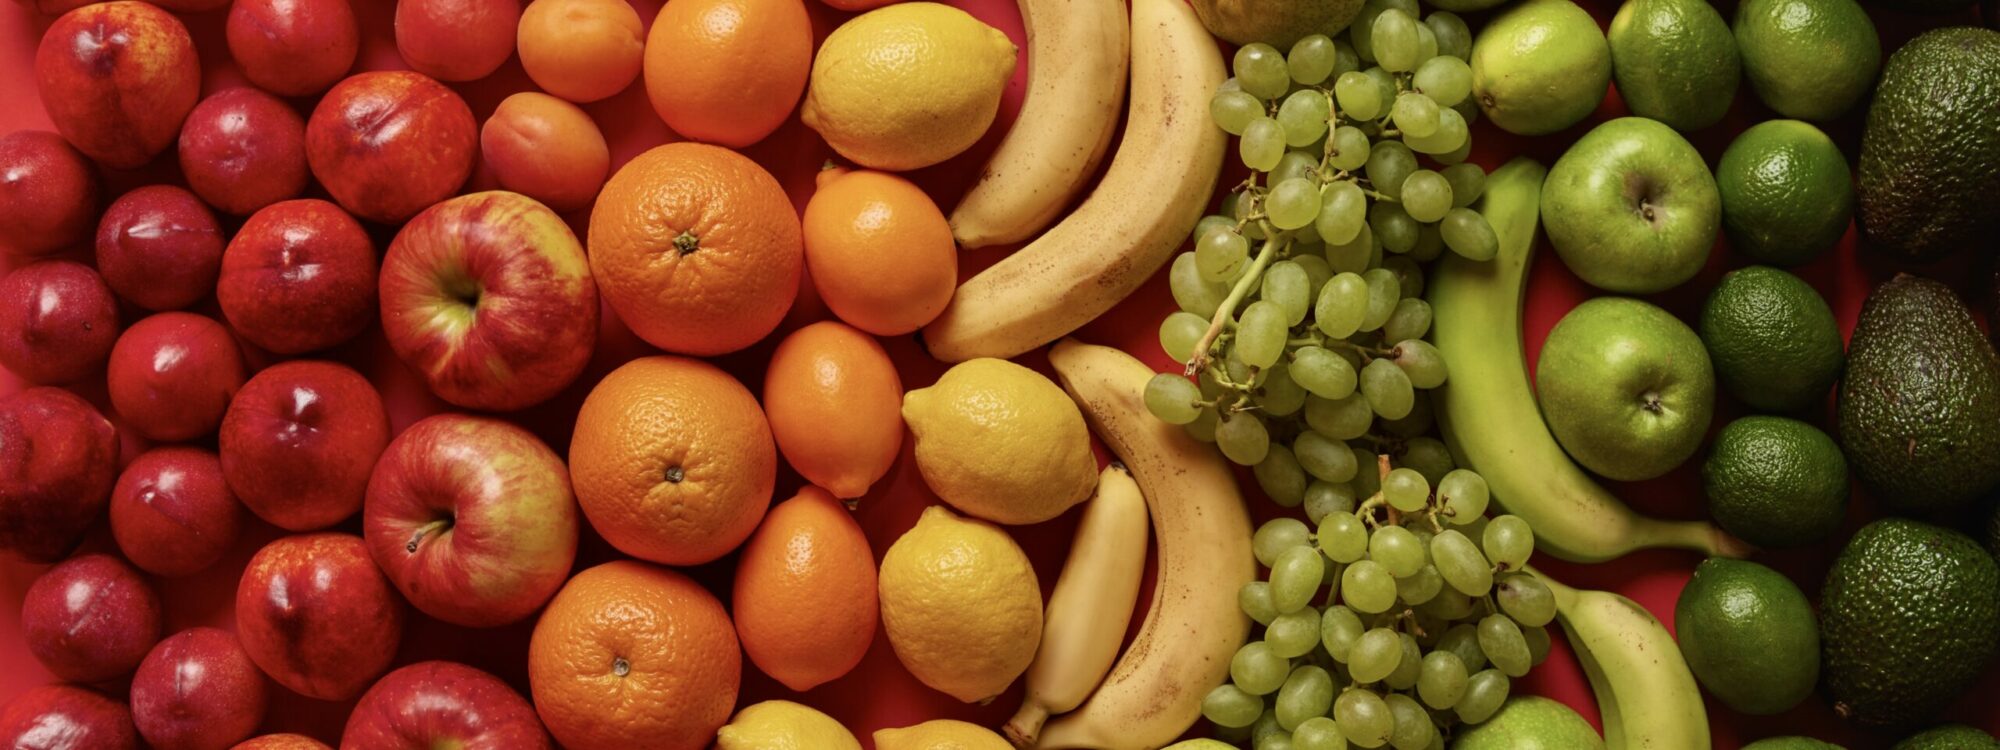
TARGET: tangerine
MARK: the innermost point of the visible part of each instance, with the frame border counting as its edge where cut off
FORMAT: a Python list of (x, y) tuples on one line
[(804, 595), (880, 252), (829, 373), (728, 71)]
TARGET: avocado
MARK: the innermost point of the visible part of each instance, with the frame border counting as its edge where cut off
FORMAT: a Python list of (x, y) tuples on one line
[(1949, 737), (1909, 618), (1919, 407), (1930, 154)]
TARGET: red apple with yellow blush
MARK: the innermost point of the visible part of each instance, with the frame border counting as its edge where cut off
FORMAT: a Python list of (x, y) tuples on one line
[(171, 511), (299, 441), (387, 144), (117, 78), (242, 149), (172, 375), (58, 322), (298, 277), (316, 615), (159, 247), (439, 704), (48, 194), (58, 461)]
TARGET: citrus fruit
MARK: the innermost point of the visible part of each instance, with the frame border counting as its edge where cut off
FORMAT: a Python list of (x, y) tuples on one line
[(1000, 442), (697, 248), (784, 725), (1776, 482), (672, 460), (1772, 338), (1277, 24), (830, 374), (581, 50), (879, 251), (804, 595), (728, 71), (907, 86), (961, 605), (632, 655), (940, 734), (1807, 59), (1540, 66), (1786, 193), (1749, 636), (1675, 61)]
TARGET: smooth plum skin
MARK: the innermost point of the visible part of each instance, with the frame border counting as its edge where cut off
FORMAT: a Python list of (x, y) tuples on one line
[(292, 47), (159, 247), (456, 40), (58, 460), (299, 441), (316, 615), (58, 322), (242, 149), (172, 513), (443, 704), (197, 690), (298, 277), (117, 78), (172, 376), (387, 144), (547, 149), (90, 618), (66, 717), (48, 194)]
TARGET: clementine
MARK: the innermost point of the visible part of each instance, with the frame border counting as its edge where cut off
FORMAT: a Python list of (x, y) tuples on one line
[(825, 374), (696, 247), (728, 71), (630, 655), (804, 596), (880, 252), (672, 460)]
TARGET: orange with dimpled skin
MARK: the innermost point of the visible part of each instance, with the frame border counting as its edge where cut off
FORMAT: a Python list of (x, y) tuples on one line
[(728, 71), (804, 595), (829, 373)]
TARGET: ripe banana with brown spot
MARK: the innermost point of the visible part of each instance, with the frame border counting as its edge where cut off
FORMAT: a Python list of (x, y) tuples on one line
[(1645, 692)]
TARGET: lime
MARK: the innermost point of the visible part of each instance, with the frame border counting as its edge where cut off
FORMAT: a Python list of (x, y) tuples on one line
[(1772, 338), (1808, 59), (1786, 192), (1775, 481), (1675, 61), (1749, 636)]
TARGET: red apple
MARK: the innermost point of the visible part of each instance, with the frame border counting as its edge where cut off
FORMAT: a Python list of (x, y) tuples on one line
[(172, 375), (58, 460), (197, 690), (472, 519), (58, 321), (48, 194), (53, 7), (443, 704), (172, 513), (243, 149), (66, 717), (299, 441), (456, 40), (299, 276), (292, 47), (387, 144), (159, 247), (281, 742), (90, 618), (117, 79), (489, 296), (315, 615)]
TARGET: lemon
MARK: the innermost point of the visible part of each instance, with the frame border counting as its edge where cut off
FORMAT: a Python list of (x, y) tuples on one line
[(1000, 442), (961, 605), (907, 86), (783, 725), (940, 734)]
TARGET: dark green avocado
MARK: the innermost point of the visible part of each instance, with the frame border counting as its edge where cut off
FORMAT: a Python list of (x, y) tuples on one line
[(1929, 182), (1949, 737)]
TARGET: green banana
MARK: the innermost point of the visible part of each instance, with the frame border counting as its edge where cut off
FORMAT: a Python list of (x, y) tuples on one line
[(1645, 693), (1493, 424)]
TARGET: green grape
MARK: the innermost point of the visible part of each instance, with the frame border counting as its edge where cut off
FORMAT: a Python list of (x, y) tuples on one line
[(1303, 115), (1428, 456), (1339, 628), (1358, 96), (1454, 38), (1315, 266), (1389, 163), (1228, 706), (1306, 694), (1368, 481), (1447, 80), (1221, 255), (1411, 320), (1503, 645), (1387, 389), (1260, 70), (1280, 396), (1452, 134), (1180, 332), (1257, 669), (1324, 458), (1296, 163), (1427, 248), (1421, 361), (1262, 144), (1346, 59), (1293, 203), (1462, 641), (1276, 536), (1312, 59), (1414, 114), (1459, 561), (1232, 110), (1354, 257), (1367, 587), (1254, 598), (1326, 498), (1409, 275), (1538, 643), (1192, 290), (1342, 305), (1385, 85), (1420, 588), (1426, 196), (1363, 718), (1393, 37), (1467, 233), (1173, 399), (1485, 691), (1384, 291), (1414, 730), (1322, 373), (1318, 733), (1468, 182), (1211, 223), (1243, 438), (1475, 530), (1342, 537), (1341, 419), (1293, 634), (1240, 206), (1265, 728), (1280, 477), (1343, 211), (1508, 541), (1408, 667), (1374, 655), (1441, 681), (1464, 495), (1260, 334), (1295, 577), (1396, 549), (1350, 148), (1406, 490), (1525, 598), (1203, 427), (1412, 426), (1394, 225)]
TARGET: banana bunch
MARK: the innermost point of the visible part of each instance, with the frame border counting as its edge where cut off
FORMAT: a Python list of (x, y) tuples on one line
[(1645, 693)]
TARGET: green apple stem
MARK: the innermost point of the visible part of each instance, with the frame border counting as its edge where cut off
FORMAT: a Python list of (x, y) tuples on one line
[(1227, 310), (416, 539)]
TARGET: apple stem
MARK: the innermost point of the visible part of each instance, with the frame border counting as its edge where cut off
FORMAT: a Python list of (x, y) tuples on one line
[(424, 531)]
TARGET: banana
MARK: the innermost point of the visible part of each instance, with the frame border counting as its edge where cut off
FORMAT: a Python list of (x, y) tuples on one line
[(1149, 199), (1647, 696), (1202, 537), (1077, 53), (1091, 605), (1493, 424)]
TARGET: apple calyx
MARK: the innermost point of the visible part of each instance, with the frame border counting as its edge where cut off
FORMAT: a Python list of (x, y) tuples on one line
[(1652, 403), (416, 539)]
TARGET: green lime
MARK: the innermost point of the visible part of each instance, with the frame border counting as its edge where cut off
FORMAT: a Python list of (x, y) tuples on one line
[(1786, 192), (1791, 743), (1808, 59), (1949, 737), (1675, 61), (1775, 481), (1772, 338), (1749, 636)]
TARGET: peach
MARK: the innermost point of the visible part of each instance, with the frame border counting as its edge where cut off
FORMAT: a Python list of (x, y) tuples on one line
[(388, 144), (172, 376), (299, 276), (456, 40), (547, 149), (243, 149), (581, 50), (58, 321), (48, 194), (292, 47), (117, 79), (159, 247)]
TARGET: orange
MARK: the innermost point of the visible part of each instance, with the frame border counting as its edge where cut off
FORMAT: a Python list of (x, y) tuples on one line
[(630, 655), (728, 71), (880, 252), (804, 596), (830, 374), (696, 247), (858, 5), (672, 460)]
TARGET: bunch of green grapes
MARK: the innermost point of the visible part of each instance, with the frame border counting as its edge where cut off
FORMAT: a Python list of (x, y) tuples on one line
[(1391, 623)]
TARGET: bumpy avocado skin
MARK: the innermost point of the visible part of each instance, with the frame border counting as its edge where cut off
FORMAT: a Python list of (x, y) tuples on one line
[(1930, 156)]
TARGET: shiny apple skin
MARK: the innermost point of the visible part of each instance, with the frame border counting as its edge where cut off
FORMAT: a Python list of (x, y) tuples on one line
[(58, 321), (197, 690), (387, 144), (66, 717), (117, 78), (242, 149), (299, 441), (172, 375), (316, 615), (48, 194), (90, 618), (298, 277), (171, 512), (159, 247), (472, 519), (58, 461), (292, 47), (456, 40), (281, 742), (442, 704)]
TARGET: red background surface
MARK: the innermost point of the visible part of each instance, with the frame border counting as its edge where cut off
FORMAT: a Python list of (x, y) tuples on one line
[(879, 693)]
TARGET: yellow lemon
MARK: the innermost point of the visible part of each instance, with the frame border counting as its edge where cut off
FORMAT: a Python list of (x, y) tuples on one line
[(1000, 442), (907, 86), (783, 725), (940, 734), (961, 605)]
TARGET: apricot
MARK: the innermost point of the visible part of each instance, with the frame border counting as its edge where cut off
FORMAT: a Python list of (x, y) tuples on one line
[(582, 50), (456, 40), (547, 149), (243, 149), (293, 47), (117, 78)]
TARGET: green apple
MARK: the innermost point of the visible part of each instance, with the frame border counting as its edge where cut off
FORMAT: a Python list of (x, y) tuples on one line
[(1631, 207), (1531, 722), (1540, 66), (1626, 387)]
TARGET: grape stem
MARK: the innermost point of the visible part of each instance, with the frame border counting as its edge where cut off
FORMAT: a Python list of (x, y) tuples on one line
[(1227, 310)]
